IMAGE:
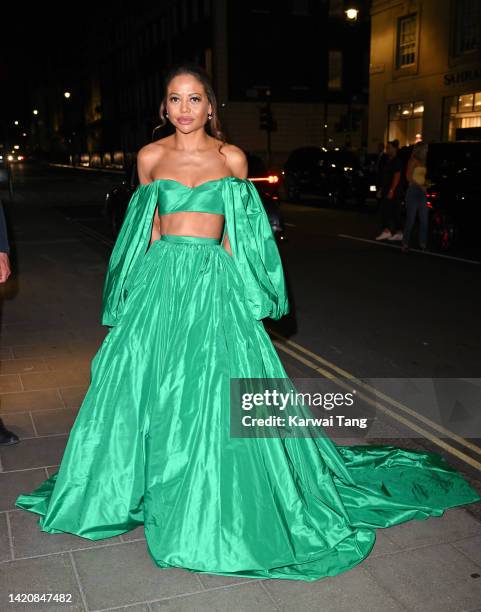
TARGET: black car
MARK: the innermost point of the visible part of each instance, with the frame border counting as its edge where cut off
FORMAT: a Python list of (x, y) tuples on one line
[(6, 179), (333, 174), (454, 196), (267, 185)]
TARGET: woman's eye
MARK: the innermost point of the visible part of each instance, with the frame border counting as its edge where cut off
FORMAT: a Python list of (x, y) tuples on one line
[(195, 99)]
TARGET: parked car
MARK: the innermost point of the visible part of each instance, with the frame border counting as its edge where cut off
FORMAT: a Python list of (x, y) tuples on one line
[(267, 185), (6, 179), (335, 175), (454, 196)]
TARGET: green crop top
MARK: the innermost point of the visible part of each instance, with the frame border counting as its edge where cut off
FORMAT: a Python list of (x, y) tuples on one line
[(177, 197)]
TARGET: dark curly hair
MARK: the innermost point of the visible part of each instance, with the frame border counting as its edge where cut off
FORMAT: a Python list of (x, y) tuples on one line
[(213, 126)]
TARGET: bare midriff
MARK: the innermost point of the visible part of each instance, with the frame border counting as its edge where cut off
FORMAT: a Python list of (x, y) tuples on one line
[(201, 224)]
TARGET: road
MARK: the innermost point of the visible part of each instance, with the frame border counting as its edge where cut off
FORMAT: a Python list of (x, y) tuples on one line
[(361, 312)]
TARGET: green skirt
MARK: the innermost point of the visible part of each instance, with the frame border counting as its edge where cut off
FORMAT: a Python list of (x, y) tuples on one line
[(151, 443)]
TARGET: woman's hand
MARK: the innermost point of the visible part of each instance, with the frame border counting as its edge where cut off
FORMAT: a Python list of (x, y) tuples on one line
[(5, 270)]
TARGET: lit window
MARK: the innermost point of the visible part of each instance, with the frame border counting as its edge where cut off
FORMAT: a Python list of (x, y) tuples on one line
[(406, 47), (335, 70), (406, 122), (465, 103)]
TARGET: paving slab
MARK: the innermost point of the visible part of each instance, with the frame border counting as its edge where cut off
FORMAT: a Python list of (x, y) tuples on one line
[(125, 574), (436, 578)]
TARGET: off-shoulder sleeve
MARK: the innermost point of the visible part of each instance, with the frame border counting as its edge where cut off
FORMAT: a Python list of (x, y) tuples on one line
[(131, 244), (254, 250)]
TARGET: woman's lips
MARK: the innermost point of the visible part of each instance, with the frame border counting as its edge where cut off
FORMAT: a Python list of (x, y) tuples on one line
[(186, 120)]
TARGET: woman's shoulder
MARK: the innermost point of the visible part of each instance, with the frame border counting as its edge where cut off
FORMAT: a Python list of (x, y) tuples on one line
[(236, 160), (155, 148)]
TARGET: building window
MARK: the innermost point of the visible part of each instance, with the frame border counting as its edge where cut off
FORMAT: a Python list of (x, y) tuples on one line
[(406, 122), (462, 117), (335, 70), (406, 41), (467, 22)]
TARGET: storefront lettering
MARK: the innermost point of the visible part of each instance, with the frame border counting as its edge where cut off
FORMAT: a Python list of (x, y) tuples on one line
[(460, 77)]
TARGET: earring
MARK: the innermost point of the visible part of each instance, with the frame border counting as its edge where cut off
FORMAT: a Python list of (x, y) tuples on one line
[(209, 116), (166, 114)]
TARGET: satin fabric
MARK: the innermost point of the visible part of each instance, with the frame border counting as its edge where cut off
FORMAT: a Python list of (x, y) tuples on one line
[(176, 197), (151, 443), (253, 245)]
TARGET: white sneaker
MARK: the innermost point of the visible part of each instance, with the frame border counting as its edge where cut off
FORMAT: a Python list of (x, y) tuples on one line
[(383, 235), (396, 236)]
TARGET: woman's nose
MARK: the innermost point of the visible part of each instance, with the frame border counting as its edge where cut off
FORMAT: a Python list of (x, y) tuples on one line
[(184, 106)]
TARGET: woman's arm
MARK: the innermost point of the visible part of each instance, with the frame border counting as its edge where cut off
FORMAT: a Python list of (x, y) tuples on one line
[(409, 170), (155, 227), (145, 159), (237, 162)]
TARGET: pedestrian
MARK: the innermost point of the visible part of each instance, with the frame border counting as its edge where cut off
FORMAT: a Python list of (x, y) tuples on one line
[(416, 196), (193, 272), (6, 436), (391, 194)]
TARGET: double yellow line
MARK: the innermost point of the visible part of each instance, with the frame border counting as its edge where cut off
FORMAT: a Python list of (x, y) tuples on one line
[(345, 379)]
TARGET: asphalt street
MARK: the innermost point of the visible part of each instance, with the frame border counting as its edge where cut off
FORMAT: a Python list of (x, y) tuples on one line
[(361, 311)]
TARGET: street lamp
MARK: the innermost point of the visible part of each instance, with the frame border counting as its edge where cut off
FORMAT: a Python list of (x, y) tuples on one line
[(351, 14), (66, 94)]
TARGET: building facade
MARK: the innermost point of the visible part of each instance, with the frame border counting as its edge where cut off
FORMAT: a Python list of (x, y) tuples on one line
[(303, 57), (425, 71)]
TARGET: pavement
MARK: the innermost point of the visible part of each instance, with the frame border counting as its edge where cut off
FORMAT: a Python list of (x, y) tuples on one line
[(50, 331)]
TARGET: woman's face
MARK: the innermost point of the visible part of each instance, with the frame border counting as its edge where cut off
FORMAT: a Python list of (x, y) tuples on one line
[(187, 103)]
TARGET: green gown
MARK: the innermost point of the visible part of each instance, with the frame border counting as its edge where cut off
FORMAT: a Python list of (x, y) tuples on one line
[(151, 443)]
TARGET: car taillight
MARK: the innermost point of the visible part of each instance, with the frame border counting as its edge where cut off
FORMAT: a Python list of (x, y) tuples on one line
[(430, 196), (272, 178)]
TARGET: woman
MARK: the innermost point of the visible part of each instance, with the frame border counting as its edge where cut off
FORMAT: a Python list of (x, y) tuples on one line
[(151, 443), (416, 196)]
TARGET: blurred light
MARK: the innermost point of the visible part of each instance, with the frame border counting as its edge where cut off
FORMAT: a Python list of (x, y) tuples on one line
[(24, 134), (272, 178), (336, 148), (66, 94), (35, 111), (333, 165), (325, 125), (347, 168), (372, 188), (16, 146), (10, 158), (20, 157), (16, 122), (352, 14)]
